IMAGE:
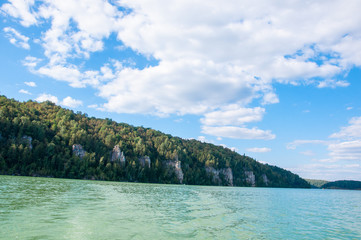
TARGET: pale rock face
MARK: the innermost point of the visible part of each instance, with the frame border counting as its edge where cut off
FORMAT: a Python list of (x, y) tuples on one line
[(228, 175), (250, 178), (226, 172), (265, 179), (27, 140), (78, 150), (176, 165), (117, 155), (144, 161)]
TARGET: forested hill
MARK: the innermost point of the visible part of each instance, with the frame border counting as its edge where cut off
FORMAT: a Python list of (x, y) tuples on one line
[(42, 139), (343, 184)]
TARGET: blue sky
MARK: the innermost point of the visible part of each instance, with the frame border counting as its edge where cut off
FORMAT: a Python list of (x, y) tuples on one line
[(277, 81)]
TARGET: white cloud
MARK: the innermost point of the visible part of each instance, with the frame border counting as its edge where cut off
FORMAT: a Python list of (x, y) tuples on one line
[(349, 150), (230, 120), (67, 102), (346, 145), (329, 171), (353, 131), (24, 92), (293, 145), (31, 62), (69, 74), (238, 132), (71, 102), (93, 106), (233, 115), (16, 38), (234, 149), (47, 97), (259, 150), (211, 56), (21, 9), (30, 84), (204, 139), (330, 83)]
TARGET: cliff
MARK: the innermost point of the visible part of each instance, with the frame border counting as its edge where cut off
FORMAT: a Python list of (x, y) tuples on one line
[(117, 155), (220, 176), (175, 166), (46, 140)]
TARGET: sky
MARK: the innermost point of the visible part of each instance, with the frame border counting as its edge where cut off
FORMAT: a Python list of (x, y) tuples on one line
[(278, 81)]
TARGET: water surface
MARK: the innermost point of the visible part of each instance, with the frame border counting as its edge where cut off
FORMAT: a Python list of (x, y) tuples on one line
[(45, 208)]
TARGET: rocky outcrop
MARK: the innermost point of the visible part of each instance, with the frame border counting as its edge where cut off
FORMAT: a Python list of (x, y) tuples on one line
[(144, 161), (117, 155), (250, 178), (265, 179), (27, 141), (176, 166), (78, 150), (228, 175), (217, 175)]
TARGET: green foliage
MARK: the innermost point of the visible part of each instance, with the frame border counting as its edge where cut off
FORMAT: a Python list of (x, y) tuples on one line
[(54, 130), (316, 183), (343, 184)]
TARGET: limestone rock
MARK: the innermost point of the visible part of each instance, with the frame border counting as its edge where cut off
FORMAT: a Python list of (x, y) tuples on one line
[(265, 179), (250, 178), (176, 165), (78, 150), (225, 172), (228, 175), (117, 155), (144, 161)]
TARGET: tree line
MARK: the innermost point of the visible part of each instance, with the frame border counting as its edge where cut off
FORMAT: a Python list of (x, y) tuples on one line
[(36, 139)]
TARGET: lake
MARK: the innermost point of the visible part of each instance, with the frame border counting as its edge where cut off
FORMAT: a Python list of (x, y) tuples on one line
[(46, 208)]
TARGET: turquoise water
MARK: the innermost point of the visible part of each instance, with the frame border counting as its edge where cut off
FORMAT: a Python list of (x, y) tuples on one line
[(44, 208)]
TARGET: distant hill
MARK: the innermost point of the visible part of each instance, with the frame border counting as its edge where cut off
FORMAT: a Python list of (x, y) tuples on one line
[(343, 184), (316, 183), (43, 139)]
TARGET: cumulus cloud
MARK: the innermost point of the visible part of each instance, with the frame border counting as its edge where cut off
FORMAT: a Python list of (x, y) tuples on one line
[(71, 102), (209, 56), (330, 83), (259, 150), (204, 139), (31, 62), (352, 131), (230, 122), (16, 38), (21, 9), (67, 102), (24, 92), (238, 132), (47, 97), (345, 146), (233, 115)]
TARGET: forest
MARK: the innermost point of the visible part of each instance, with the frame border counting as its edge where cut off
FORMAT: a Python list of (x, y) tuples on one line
[(43, 139), (343, 184)]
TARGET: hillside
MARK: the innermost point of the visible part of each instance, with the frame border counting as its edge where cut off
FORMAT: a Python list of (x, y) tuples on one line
[(343, 184), (316, 183), (42, 139)]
